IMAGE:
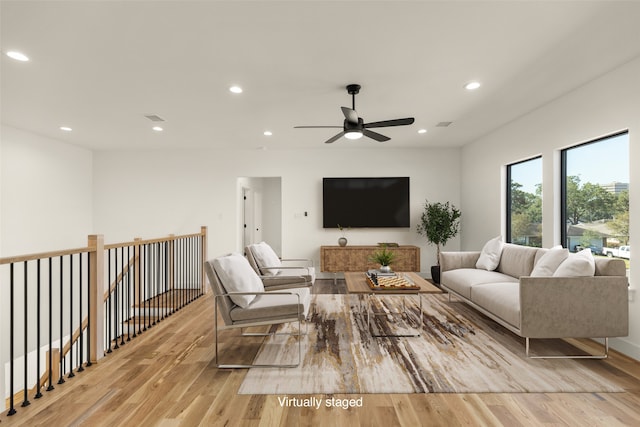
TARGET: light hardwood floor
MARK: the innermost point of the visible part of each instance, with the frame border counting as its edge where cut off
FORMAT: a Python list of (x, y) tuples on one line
[(167, 377)]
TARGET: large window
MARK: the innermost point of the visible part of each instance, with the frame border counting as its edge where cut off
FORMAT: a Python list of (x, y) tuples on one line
[(524, 202), (595, 196)]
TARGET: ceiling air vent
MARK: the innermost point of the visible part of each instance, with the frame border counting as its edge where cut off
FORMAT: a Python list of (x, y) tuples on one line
[(443, 124), (154, 118)]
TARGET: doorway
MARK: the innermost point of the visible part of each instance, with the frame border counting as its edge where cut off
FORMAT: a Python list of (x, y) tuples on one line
[(261, 211)]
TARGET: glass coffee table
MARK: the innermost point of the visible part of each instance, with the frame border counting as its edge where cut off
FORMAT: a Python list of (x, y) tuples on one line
[(357, 284)]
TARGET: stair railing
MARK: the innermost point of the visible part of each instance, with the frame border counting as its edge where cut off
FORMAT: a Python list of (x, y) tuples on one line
[(62, 311)]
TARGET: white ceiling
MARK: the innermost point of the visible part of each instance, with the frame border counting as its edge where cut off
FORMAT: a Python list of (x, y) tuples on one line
[(100, 66)]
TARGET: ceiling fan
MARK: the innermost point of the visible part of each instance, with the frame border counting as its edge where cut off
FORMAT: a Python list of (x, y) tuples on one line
[(354, 127)]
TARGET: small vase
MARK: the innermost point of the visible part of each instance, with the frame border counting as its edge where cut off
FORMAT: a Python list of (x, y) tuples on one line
[(342, 241), (385, 269)]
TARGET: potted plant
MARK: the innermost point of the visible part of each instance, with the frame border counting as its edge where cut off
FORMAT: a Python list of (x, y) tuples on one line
[(439, 223), (383, 257)]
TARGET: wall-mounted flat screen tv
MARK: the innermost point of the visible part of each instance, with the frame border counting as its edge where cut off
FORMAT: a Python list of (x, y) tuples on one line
[(365, 202)]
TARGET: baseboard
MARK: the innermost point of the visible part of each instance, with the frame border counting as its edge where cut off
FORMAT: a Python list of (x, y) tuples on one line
[(623, 346)]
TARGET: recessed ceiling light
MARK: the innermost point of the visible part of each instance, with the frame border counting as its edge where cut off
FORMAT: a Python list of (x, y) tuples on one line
[(157, 128), (267, 133), (472, 85), (18, 56), (422, 131), (66, 128), (235, 89)]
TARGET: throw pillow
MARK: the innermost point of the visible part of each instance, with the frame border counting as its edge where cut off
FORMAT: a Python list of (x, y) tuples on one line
[(580, 264), (237, 275), (549, 262), (266, 257), (490, 255)]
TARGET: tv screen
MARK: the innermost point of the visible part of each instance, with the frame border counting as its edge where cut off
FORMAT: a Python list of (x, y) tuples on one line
[(365, 202)]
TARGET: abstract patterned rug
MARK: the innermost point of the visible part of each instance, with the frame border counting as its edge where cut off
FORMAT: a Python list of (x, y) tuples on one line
[(459, 351)]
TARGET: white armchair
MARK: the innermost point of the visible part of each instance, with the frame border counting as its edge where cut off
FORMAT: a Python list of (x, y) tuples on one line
[(276, 271), (242, 301)]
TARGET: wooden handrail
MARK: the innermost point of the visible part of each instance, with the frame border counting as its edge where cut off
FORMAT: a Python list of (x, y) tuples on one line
[(43, 255), (53, 254), (148, 241)]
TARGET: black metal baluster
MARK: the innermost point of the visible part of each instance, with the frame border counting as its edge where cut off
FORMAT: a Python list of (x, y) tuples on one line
[(180, 278), (115, 298), (190, 260), (71, 373), (128, 304), (25, 401), (136, 285), (51, 387), (108, 322), (81, 330), (38, 394), (61, 379), (123, 319), (156, 314), (174, 278), (200, 262), (89, 307), (11, 326), (147, 273), (165, 282), (183, 251)]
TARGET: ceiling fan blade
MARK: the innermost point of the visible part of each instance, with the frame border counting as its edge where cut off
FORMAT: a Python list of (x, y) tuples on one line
[(334, 138), (374, 135), (387, 123), (317, 127), (350, 115)]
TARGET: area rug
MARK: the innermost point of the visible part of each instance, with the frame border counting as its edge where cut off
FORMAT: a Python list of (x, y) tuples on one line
[(459, 351)]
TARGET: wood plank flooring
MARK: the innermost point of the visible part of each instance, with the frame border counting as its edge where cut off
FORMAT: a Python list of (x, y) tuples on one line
[(167, 377)]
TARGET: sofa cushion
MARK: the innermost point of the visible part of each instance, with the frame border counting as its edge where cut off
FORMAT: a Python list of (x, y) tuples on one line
[(501, 299), (517, 260), (580, 264), (271, 306), (462, 279), (237, 275), (549, 262), (490, 254), (266, 257)]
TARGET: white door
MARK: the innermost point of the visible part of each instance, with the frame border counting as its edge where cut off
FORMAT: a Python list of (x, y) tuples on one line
[(247, 217), (257, 217)]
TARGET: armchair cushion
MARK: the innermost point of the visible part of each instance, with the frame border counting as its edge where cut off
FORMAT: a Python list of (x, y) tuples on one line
[(273, 306), (237, 275), (266, 258)]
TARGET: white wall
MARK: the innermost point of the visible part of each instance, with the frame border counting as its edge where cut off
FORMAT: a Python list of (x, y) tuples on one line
[(150, 193), (607, 105), (45, 194)]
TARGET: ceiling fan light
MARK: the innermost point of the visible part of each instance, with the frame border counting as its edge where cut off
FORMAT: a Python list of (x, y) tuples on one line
[(353, 134)]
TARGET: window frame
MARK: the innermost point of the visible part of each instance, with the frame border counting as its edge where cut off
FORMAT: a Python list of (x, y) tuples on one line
[(563, 180), (508, 228)]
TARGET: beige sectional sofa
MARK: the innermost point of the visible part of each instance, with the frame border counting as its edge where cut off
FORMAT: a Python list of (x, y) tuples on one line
[(592, 306)]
